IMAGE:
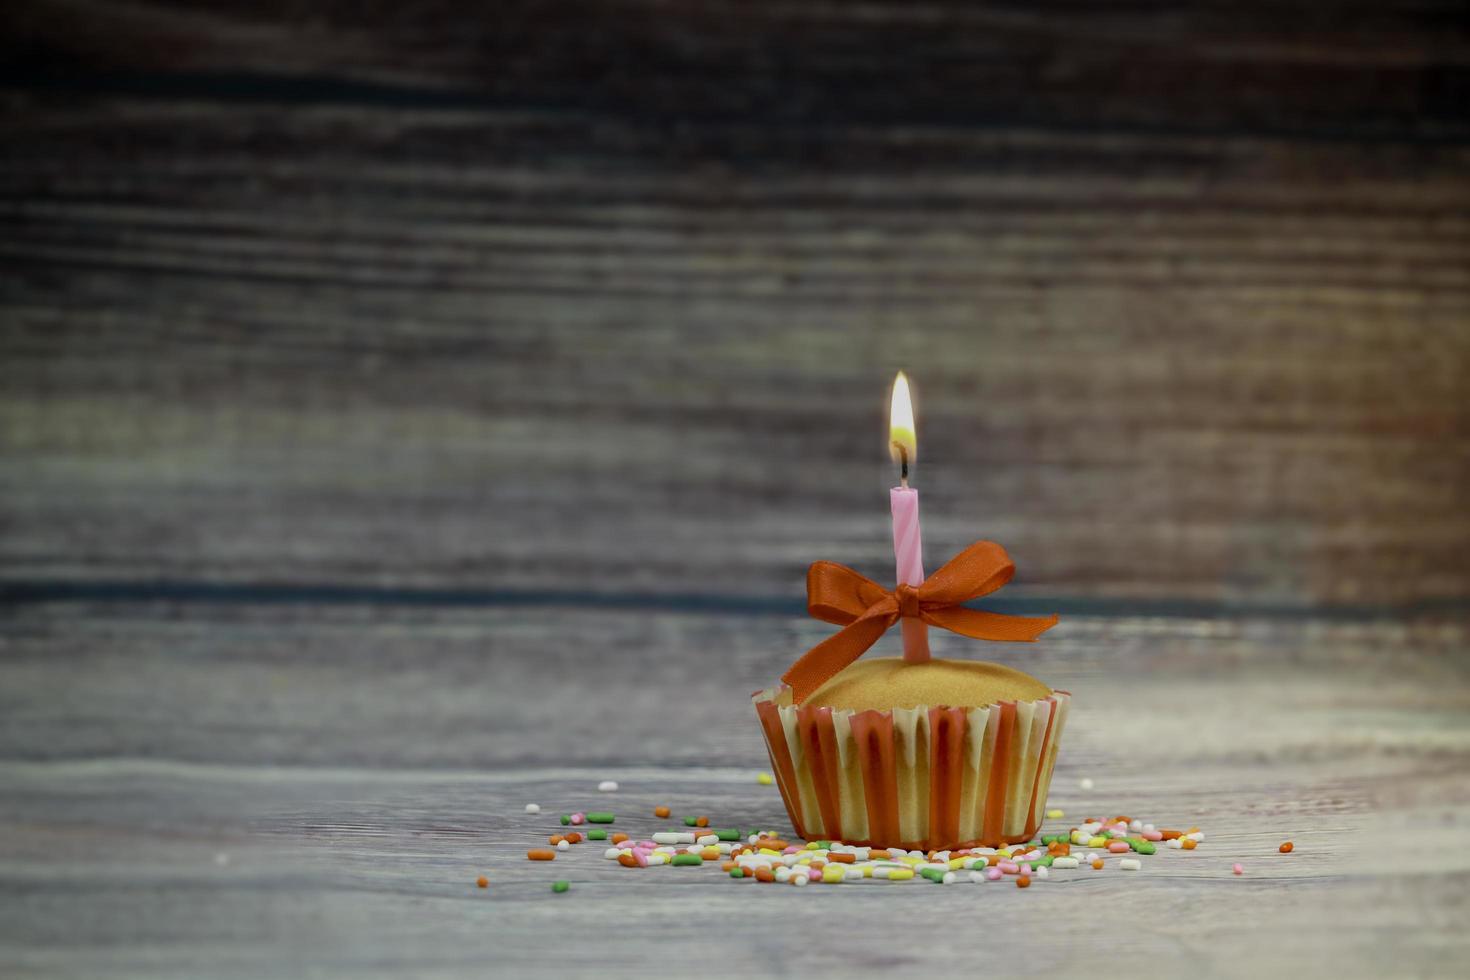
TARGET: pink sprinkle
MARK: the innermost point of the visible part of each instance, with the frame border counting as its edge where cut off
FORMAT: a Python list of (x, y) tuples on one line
[(648, 844), (1238, 870), (792, 849), (1009, 867), (1118, 846), (814, 874), (641, 858), (578, 817), (1152, 835), (993, 873)]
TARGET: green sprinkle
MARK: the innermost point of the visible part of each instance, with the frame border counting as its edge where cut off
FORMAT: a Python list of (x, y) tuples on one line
[(933, 874), (736, 873), (689, 821), (1044, 862), (602, 817), (687, 860), (566, 819), (560, 886), (597, 835), (1140, 845), (820, 845), (730, 834)]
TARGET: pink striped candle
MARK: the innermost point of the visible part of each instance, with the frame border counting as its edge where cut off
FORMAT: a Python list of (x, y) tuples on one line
[(908, 549), (908, 543)]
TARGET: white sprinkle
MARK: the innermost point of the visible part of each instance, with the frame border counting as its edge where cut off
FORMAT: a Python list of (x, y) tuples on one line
[(1064, 863), (783, 874), (1085, 782), (977, 877), (800, 878), (533, 808), (949, 878), (706, 840), (672, 837), (883, 870), (611, 853), (1042, 871), (1129, 864), (1174, 843), (854, 874), (562, 845), (607, 786)]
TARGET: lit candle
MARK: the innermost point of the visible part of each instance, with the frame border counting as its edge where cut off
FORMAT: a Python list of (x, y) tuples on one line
[(908, 544)]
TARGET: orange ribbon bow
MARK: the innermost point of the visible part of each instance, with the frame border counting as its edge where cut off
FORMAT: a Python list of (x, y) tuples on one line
[(865, 610)]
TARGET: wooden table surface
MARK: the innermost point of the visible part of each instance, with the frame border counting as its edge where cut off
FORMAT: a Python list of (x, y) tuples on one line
[(413, 412)]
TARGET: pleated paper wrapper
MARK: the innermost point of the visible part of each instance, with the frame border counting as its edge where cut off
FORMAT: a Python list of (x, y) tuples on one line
[(919, 778)]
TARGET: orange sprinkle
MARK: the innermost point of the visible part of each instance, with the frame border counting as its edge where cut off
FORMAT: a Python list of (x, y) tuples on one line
[(775, 844), (701, 822), (1059, 848), (1097, 864), (764, 874), (1188, 843), (710, 853), (993, 860), (840, 858), (555, 839), (627, 860), (1172, 834), (618, 838), (661, 811), (727, 866), (541, 854), (482, 881), (1286, 847), (877, 852), (574, 838), (1024, 881)]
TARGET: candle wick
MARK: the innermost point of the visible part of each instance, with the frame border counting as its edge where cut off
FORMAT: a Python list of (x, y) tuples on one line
[(903, 464)]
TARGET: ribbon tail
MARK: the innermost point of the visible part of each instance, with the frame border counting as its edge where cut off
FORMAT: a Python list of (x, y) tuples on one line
[(823, 661), (982, 625)]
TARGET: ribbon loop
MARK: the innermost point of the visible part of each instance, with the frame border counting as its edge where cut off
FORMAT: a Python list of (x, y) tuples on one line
[(865, 610)]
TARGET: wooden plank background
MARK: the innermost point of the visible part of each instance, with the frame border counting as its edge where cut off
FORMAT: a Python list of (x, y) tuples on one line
[(365, 368)]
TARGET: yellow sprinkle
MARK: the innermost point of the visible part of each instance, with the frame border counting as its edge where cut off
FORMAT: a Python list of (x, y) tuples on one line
[(957, 862), (804, 859), (1098, 842), (764, 779), (1054, 814), (767, 850), (867, 871), (833, 873), (710, 854), (900, 874)]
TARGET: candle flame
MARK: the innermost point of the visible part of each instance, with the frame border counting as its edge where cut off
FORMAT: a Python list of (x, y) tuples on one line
[(903, 444)]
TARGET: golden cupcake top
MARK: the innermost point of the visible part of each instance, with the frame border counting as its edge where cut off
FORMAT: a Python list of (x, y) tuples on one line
[(888, 682)]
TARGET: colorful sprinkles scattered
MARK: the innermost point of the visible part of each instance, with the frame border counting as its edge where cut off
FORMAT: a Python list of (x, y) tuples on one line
[(767, 857)]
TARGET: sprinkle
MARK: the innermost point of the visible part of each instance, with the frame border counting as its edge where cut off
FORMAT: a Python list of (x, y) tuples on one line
[(565, 819), (661, 811), (687, 860), (799, 879), (670, 837), (574, 838), (533, 808), (482, 881), (1085, 782), (701, 821), (993, 874), (1097, 864), (1024, 881), (541, 854), (560, 886), (1119, 847), (601, 817), (1129, 864), (689, 822), (1188, 843), (1286, 847), (1064, 863), (764, 779), (597, 835), (562, 845), (577, 818), (618, 838), (1237, 869), (1054, 814), (607, 786)]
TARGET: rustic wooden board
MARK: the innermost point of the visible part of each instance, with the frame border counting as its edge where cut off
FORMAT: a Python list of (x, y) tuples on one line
[(1186, 295), (239, 790)]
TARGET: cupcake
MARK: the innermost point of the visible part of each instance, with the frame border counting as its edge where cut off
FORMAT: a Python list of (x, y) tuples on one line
[(923, 755)]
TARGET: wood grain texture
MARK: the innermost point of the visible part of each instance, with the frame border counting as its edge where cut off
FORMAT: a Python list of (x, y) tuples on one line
[(1186, 295), (358, 770), (456, 398)]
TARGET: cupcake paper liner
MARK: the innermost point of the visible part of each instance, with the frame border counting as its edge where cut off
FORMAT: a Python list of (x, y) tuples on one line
[(924, 778)]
